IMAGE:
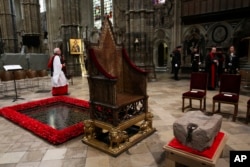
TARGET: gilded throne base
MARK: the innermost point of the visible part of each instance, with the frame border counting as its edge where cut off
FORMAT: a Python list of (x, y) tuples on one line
[(116, 139)]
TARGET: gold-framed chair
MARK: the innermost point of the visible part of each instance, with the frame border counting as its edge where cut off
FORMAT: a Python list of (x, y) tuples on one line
[(197, 90), (118, 97), (229, 92)]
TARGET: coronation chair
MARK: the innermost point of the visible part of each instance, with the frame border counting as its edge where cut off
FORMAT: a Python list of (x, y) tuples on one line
[(228, 93), (118, 97), (197, 91)]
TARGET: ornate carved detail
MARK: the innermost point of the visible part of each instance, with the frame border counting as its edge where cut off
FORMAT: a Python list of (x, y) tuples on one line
[(116, 137), (164, 14), (129, 111), (103, 113), (89, 130), (147, 125)]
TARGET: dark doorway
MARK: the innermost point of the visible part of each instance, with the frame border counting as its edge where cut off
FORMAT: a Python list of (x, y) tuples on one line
[(243, 48), (161, 55)]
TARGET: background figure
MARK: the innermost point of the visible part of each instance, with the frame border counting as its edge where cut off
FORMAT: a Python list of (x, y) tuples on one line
[(220, 58), (177, 61), (58, 79), (232, 62), (195, 60), (172, 62), (211, 68)]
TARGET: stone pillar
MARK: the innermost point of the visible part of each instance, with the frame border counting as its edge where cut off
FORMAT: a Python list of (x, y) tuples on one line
[(71, 28), (139, 15), (31, 25), (8, 26), (139, 30)]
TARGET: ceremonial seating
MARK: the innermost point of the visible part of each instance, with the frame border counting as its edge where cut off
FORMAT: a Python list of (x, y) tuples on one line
[(7, 80), (118, 97), (44, 78), (33, 80), (228, 93), (20, 77), (197, 91)]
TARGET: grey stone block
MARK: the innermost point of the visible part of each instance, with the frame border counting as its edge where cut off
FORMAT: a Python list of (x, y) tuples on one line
[(197, 130)]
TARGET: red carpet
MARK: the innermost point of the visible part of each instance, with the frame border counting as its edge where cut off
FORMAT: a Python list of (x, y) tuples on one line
[(43, 130)]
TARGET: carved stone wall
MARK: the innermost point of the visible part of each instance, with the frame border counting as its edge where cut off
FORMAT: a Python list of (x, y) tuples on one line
[(219, 34)]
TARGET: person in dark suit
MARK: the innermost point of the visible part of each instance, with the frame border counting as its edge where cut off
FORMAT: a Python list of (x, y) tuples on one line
[(177, 61), (232, 62), (195, 60)]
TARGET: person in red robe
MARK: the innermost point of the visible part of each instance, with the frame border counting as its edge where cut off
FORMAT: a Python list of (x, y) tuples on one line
[(58, 79), (211, 68)]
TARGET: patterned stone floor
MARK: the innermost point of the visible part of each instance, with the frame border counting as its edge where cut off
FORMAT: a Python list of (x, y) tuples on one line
[(20, 148)]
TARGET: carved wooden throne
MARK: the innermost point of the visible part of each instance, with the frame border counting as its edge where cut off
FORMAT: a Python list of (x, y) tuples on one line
[(118, 97)]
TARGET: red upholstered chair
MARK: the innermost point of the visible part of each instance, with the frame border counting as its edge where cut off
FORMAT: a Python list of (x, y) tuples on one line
[(248, 111), (229, 92), (197, 91)]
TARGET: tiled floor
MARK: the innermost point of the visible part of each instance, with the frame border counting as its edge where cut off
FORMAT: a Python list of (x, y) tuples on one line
[(20, 148)]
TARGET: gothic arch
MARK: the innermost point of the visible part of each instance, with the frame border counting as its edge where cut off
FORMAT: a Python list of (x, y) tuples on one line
[(161, 38)]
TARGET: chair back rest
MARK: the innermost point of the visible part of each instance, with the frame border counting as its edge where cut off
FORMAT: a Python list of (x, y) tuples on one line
[(230, 83), (42, 73), (106, 56), (20, 74), (31, 73), (199, 81), (7, 76)]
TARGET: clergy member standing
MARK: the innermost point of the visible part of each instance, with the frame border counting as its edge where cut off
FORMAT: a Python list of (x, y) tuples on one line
[(58, 79), (211, 68)]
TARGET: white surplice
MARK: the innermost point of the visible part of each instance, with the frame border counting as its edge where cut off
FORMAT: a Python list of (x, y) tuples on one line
[(59, 81)]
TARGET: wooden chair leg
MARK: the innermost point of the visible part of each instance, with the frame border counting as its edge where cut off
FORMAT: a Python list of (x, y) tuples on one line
[(183, 99), (201, 105), (235, 112), (190, 103), (218, 106), (213, 106), (204, 105)]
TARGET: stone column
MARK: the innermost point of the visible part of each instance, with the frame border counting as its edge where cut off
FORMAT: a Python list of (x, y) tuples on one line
[(31, 25), (71, 28), (8, 26), (139, 19), (139, 30)]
